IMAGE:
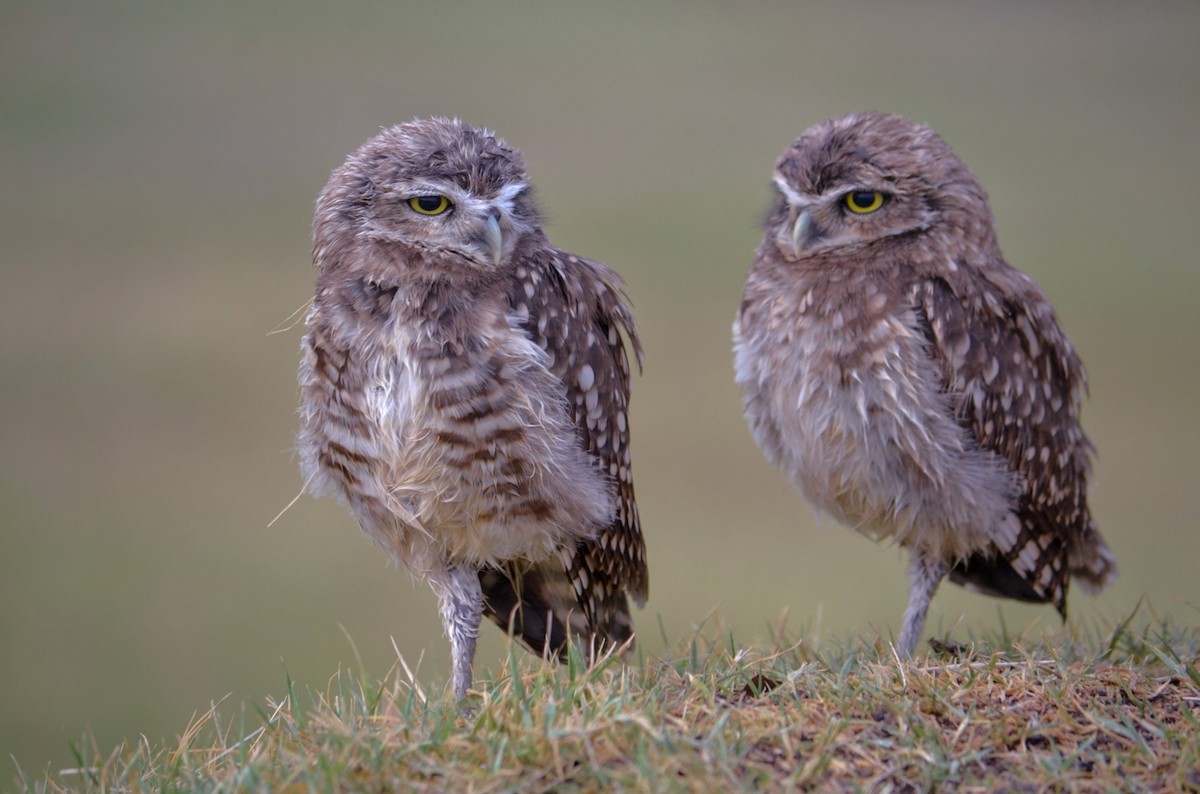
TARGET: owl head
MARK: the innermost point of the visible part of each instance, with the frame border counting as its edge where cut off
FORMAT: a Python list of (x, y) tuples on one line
[(868, 177), (430, 192)]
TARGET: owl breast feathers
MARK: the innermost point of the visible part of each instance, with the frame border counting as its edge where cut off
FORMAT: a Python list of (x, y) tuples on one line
[(465, 387), (905, 377)]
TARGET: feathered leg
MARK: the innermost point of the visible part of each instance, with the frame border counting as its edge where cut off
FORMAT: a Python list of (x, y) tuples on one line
[(925, 573), (461, 604)]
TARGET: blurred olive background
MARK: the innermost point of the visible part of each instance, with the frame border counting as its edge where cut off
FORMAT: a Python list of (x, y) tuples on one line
[(158, 167)]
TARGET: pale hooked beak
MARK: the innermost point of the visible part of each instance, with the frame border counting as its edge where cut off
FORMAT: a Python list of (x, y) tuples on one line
[(802, 232), (492, 238)]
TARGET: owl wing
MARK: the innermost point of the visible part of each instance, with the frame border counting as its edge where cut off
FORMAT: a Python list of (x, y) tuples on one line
[(1018, 386), (575, 310)]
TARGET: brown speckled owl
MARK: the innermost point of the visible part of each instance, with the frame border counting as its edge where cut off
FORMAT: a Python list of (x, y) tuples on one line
[(464, 389), (907, 379)]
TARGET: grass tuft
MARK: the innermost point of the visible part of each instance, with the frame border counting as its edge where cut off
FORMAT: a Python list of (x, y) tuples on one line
[(1112, 708)]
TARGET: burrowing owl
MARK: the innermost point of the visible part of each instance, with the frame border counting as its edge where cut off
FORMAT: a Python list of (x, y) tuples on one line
[(465, 387), (907, 379)]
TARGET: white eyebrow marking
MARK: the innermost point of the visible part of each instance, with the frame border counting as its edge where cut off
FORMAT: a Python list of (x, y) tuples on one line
[(415, 188), (504, 198), (793, 198), (510, 192)]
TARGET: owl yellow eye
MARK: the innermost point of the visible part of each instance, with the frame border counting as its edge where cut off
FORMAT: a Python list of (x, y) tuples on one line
[(430, 205), (863, 202)]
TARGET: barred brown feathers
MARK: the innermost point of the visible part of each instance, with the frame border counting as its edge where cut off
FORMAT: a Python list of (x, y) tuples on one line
[(907, 379), (465, 390)]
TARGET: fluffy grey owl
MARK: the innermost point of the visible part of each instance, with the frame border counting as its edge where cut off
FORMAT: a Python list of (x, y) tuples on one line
[(907, 379), (465, 387)]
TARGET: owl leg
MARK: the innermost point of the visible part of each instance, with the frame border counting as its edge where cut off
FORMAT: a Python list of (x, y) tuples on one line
[(925, 573), (461, 606)]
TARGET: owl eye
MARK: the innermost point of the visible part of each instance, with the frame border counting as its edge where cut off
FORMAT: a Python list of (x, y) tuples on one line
[(863, 202), (430, 205)]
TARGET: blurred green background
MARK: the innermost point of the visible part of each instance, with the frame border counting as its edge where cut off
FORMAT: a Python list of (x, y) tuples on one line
[(158, 167)]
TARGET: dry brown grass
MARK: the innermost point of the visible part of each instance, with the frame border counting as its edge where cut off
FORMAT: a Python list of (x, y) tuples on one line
[(1118, 711)]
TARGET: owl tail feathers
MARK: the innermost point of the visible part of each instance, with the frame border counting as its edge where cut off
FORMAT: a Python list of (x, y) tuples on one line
[(1092, 562), (536, 604), (995, 576)]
